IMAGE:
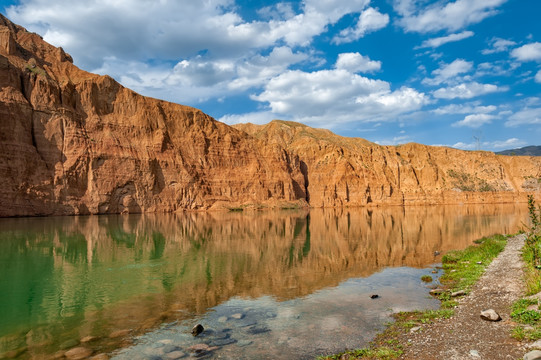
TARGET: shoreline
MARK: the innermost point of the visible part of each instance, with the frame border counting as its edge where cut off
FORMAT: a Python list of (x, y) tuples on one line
[(456, 330)]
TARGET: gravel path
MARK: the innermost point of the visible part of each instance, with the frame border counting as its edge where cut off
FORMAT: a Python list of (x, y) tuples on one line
[(466, 335)]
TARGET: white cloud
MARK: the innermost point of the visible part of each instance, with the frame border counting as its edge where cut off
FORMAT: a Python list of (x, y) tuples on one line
[(336, 96), (528, 52), (443, 15), (498, 45), (199, 72), (447, 72), (527, 116), (468, 108), (280, 11), (370, 20), (397, 140), (355, 63), (475, 120), (172, 30), (511, 143), (467, 91), (439, 41), (497, 68), (538, 77), (259, 69), (260, 118)]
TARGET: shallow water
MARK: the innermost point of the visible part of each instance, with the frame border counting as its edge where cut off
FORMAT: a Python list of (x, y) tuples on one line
[(288, 284)]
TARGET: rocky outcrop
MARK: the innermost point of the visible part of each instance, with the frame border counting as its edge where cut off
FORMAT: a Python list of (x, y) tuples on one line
[(343, 171), (72, 142)]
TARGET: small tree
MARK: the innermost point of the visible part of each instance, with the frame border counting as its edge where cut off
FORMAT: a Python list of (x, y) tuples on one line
[(533, 238)]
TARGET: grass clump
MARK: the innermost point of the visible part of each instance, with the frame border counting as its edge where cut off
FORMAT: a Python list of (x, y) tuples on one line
[(522, 314), (522, 333), (383, 353), (426, 278)]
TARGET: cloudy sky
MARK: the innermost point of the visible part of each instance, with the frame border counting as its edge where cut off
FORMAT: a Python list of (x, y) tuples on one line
[(462, 73)]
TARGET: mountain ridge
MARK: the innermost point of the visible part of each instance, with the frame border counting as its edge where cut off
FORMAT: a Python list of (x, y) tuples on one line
[(531, 150), (73, 143)]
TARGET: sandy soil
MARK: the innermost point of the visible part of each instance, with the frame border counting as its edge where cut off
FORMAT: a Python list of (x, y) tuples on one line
[(466, 335)]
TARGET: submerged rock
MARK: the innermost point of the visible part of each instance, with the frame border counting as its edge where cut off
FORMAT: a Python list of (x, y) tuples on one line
[(175, 355), (254, 330), (78, 353), (374, 296), (197, 329)]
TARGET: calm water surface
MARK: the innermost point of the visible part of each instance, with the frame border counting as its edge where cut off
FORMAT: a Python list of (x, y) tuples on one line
[(282, 285)]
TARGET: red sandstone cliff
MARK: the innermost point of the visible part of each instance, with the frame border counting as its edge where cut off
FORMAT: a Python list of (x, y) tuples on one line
[(343, 171), (72, 142)]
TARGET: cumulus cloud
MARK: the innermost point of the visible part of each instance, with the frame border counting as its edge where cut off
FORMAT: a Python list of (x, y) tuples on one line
[(355, 62), (511, 143), (475, 120), (526, 116), (337, 96), (447, 72), (443, 15), (172, 30), (528, 52), (259, 69), (198, 72), (498, 45), (468, 108), (496, 68), (439, 41), (538, 77), (370, 20), (467, 91), (257, 117)]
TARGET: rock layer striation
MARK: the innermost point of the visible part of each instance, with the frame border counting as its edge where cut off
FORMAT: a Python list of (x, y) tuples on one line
[(72, 142)]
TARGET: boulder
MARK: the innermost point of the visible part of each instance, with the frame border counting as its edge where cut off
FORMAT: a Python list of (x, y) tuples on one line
[(533, 355), (490, 315), (197, 329)]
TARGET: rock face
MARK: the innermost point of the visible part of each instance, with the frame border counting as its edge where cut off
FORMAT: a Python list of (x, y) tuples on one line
[(72, 142), (342, 171), (77, 143)]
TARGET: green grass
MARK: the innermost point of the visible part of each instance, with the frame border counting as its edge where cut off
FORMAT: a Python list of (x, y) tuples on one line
[(464, 267), (384, 353), (526, 311), (426, 278), (531, 252)]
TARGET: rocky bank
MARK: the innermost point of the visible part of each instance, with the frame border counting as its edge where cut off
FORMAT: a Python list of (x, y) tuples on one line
[(72, 142)]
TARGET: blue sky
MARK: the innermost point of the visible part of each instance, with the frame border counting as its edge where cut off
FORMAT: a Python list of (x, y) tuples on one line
[(462, 73)]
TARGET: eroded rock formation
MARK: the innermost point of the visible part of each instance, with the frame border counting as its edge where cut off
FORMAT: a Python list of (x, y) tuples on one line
[(77, 143), (343, 171), (72, 142)]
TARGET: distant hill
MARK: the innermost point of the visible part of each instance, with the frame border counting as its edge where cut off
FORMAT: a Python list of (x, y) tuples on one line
[(525, 151)]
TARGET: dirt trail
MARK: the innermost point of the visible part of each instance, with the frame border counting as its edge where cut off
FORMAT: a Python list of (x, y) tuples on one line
[(466, 335)]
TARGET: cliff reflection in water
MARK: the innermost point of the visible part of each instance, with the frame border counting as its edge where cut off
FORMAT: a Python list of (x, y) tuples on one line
[(66, 278)]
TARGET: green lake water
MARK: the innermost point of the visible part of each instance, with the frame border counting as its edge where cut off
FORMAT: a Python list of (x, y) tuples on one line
[(285, 284)]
